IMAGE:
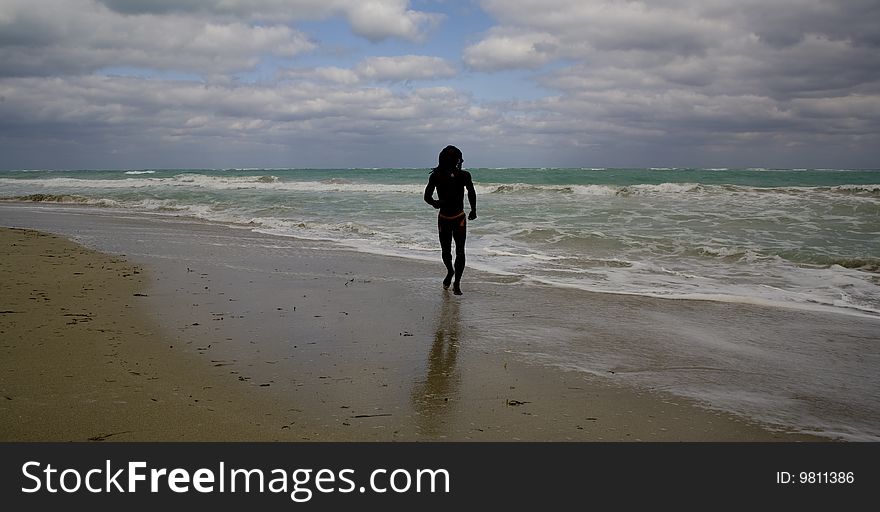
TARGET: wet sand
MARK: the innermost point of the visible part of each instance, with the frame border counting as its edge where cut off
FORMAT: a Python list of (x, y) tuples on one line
[(80, 362), (322, 345)]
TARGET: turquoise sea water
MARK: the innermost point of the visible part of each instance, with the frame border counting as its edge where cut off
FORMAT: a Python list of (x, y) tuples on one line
[(801, 238)]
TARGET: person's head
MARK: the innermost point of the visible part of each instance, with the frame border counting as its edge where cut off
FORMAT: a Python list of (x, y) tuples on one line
[(450, 158)]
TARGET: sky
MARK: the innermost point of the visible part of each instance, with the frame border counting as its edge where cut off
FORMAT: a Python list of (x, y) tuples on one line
[(388, 83)]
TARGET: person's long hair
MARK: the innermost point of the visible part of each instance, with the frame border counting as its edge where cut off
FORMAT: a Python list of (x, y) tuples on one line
[(449, 159)]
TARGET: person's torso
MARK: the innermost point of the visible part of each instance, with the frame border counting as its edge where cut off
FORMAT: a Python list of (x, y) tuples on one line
[(450, 190)]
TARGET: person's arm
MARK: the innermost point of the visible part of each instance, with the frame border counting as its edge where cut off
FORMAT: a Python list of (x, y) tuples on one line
[(472, 197), (429, 194)]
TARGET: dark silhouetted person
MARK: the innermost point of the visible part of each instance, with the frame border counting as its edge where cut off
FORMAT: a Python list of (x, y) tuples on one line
[(450, 182)]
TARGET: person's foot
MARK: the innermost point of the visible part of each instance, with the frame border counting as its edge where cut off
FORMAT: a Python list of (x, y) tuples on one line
[(448, 280), (456, 290)]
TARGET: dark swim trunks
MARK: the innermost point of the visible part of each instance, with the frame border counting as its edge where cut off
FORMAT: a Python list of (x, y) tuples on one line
[(458, 220)]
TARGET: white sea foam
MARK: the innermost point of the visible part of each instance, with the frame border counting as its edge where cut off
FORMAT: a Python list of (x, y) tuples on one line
[(66, 199), (216, 183), (593, 190), (871, 189), (529, 256), (271, 182), (663, 188)]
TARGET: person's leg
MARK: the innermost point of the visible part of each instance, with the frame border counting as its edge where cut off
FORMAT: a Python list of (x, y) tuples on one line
[(446, 249), (459, 233)]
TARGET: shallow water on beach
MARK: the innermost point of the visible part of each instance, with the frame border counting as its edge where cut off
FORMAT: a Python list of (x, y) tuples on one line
[(802, 238), (807, 371)]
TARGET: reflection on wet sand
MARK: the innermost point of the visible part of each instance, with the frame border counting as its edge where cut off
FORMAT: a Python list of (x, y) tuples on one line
[(432, 397)]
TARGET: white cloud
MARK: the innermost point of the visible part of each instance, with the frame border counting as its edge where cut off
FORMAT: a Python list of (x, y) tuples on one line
[(402, 68), (372, 19), (511, 49), (331, 74), (53, 37), (405, 67), (379, 19), (533, 32)]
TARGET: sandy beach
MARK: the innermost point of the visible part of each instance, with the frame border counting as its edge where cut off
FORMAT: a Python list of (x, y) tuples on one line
[(80, 362), (178, 330)]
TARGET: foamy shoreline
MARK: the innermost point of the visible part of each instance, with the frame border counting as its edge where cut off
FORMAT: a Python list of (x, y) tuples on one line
[(801, 239)]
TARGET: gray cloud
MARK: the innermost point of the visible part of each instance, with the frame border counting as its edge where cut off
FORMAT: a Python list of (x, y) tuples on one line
[(701, 76), (129, 114), (671, 82), (787, 22)]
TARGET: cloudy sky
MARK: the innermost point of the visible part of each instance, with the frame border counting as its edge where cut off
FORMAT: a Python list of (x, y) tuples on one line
[(368, 83)]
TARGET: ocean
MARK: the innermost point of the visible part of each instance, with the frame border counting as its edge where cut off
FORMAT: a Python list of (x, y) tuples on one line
[(794, 238)]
